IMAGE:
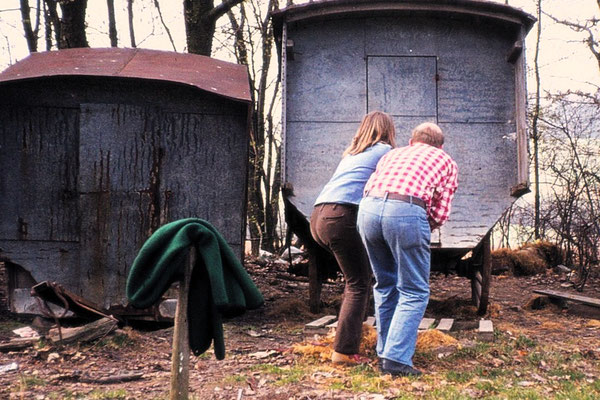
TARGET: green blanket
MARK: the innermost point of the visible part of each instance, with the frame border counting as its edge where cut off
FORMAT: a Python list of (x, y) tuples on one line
[(220, 286)]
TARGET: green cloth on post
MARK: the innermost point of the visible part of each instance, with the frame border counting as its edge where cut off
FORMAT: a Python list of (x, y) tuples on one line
[(219, 286)]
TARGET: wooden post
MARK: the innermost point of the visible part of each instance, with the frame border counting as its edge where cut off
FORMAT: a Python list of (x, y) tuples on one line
[(180, 358)]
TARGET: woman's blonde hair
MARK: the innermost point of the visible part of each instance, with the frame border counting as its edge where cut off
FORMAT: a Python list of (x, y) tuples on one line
[(376, 126)]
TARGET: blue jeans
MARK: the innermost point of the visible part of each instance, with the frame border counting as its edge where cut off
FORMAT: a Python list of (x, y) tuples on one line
[(397, 238)]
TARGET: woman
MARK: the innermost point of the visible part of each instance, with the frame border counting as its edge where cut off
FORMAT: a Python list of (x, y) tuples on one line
[(333, 226)]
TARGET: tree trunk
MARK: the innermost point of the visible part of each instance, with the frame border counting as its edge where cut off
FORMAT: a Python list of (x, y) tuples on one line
[(130, 20), (200, 18), (535, 129), (199, 27), (112, 24), (73, 24), (52, 22), (30, 35)]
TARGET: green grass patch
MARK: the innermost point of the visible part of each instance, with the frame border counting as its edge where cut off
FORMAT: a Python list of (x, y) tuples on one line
[(27, 382), (283, 376), (567, 373), (232, 379), (470, 352), (361, 378), (577, 391), (99, 394), (524, 343), (459, 376), (116, 341)]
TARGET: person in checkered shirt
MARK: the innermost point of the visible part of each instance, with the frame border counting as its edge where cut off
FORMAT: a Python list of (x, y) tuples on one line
[(409, 194)]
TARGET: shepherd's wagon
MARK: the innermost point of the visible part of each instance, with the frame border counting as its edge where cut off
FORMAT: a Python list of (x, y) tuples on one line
[(99, 147), (459, 63)]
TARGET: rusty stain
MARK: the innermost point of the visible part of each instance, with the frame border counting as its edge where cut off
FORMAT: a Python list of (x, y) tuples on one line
[(219, 77)]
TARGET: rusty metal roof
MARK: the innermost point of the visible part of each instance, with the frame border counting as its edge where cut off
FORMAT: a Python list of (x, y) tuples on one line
[(205, 73), (338, 8)]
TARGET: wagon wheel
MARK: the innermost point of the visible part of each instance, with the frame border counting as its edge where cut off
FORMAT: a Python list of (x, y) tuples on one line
[(481, 276)]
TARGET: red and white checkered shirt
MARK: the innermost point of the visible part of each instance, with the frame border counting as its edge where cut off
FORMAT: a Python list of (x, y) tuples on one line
[(419, 170)]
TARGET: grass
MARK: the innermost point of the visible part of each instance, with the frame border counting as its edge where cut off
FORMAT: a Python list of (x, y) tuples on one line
[(282, 375), (27, 382), (117, 341), (360, 379), (99, 394)]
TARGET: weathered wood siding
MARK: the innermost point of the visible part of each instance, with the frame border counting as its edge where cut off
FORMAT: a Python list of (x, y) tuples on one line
[(450, 71), (94, 175)]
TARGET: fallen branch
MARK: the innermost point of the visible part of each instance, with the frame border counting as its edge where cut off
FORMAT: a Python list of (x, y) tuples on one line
[(18, 344), (76, 376)]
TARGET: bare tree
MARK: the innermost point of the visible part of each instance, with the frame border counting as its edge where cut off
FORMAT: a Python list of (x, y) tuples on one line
[(112, 24), (535, 132), (31, 33), (590, 28), (254, 44), (200, 18), (571, 159), (70, 27), (130, 22)]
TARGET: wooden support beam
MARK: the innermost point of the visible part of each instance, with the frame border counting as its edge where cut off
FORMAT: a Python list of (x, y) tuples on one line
[(180, 358)]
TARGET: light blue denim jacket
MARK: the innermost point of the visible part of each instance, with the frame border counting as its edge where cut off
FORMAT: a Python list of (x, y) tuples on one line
[(348, 182)]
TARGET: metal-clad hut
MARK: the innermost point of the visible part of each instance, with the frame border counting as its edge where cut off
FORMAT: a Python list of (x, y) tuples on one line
[(459, 63), (99, 147)]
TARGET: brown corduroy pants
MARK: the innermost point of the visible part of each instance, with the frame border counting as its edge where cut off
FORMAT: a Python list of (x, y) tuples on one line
[(333, 226)]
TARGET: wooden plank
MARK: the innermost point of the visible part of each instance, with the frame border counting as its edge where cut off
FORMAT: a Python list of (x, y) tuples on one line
[(321, 322), (568, 296), (445, 324), (426, 323)]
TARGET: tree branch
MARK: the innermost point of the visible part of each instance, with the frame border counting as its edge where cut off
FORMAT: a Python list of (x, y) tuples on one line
[(162, 21), (222, 9)]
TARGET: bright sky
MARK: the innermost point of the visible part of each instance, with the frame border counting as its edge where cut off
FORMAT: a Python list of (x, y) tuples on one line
[(566, 63)]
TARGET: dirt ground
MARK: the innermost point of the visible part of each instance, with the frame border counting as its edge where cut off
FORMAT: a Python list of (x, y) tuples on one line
[(541, 353)]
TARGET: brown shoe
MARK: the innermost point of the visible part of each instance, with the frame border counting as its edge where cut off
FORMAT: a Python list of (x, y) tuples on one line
[(348, 359)]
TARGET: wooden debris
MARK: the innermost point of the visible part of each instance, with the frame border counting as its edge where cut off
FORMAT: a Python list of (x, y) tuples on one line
[(319, 326), (426, 323), (568, 296), (486, 330), (86, 333), (77, 376), (445, 324), (18, 344)]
